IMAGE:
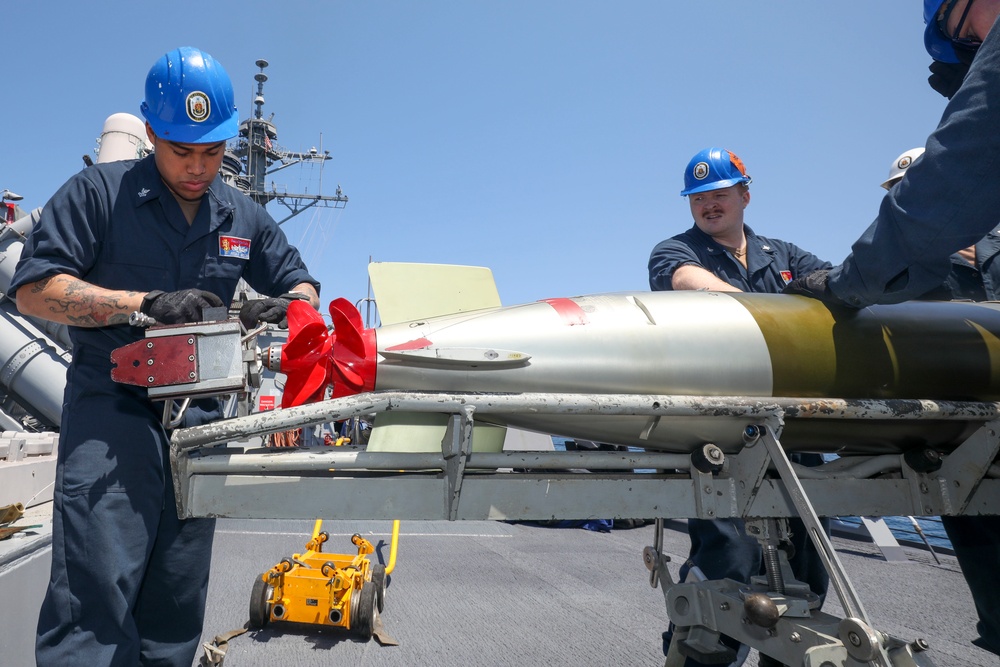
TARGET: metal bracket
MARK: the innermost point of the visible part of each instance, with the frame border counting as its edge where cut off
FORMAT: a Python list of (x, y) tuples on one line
[(748, 469), (779, 579), (706, 495), (966, 466), (824, 547), (156, 361), (656, 561), (455, 448)]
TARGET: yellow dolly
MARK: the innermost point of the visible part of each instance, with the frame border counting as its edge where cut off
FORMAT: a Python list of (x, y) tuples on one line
[(333, 590)]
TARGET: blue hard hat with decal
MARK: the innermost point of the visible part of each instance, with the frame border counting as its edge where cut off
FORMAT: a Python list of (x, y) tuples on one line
[(713, 169), (189, 98), (935, 41)]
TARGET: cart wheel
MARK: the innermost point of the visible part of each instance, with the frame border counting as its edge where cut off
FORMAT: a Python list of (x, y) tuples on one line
[(363, 620), (259, 597), (378, 583)]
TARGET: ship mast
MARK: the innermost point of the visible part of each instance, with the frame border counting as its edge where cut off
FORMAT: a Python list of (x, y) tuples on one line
[(256, 155)]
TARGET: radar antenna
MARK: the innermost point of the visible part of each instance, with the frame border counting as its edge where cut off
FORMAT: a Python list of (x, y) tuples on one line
[(256, 155)]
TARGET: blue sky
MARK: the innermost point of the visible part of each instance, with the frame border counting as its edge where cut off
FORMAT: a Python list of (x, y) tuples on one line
[(543, 139)]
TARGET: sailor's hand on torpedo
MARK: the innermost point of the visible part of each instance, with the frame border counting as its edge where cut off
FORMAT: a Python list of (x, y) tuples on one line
[(178, 307), (272, 310), (815, 286)]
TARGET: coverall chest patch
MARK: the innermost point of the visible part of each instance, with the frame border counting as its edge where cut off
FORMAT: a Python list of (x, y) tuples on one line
[(234, 246)]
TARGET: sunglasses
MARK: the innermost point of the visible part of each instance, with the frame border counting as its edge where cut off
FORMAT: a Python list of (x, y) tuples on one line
[(962, 42)]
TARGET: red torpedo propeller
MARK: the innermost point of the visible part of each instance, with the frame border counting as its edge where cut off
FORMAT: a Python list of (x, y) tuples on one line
[(305, 358), (313, 357)]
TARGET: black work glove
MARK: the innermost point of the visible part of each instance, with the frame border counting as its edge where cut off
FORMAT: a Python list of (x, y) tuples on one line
[(814, 285), (947, 78), (272, 309), (178, 307)]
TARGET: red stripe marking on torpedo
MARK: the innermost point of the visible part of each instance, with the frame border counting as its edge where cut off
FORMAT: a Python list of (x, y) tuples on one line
[(570, 312), (415, 344)]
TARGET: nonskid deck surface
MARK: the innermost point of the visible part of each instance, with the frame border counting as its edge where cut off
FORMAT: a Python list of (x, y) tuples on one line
[(491, 593)]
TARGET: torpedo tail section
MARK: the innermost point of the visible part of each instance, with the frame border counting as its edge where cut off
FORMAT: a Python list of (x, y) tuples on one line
[(406, 292)]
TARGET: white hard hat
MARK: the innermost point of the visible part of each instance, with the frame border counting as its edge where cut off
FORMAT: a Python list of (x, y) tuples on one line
[(901, 164)]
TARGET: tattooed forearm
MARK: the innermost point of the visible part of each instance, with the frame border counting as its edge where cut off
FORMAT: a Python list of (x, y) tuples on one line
[(69, 300), (87, 305), (95, 321), (41, 285)]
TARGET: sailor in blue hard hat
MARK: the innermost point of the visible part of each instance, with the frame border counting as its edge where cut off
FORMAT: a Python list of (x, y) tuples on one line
[(712, 169), (189, 98), (167, 236), (949, 34), (954, 31), (721, 253), (717, 187), (190, 113)]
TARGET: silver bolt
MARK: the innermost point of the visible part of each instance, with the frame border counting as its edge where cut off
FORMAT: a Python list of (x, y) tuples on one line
[(795, 637), (149, 345), (149, 362)]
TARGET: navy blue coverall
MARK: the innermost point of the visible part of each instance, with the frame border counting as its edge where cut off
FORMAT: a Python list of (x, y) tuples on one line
[(720, 547), (976, 539), (946, 201), (967, 282), (129, 579)]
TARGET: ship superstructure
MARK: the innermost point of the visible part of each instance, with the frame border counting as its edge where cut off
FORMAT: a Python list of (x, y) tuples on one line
[(255, 156)]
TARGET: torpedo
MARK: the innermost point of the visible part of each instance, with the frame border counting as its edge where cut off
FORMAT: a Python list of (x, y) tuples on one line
[(666, 343)]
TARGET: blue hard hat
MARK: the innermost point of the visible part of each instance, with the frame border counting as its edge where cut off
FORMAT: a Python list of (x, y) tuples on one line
[(713, 169), (189, 98), (935, 41)]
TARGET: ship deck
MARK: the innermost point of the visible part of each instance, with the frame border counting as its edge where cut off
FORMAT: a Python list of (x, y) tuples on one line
[(495, 593)]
